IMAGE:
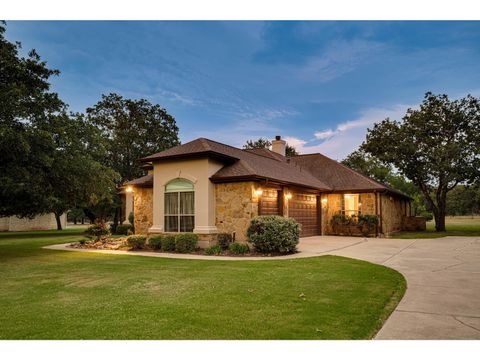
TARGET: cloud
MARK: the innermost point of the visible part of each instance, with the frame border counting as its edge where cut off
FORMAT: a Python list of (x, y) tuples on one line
[(346, 137), (339, 59)]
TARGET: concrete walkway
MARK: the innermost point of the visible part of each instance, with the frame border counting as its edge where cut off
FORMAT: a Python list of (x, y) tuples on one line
[(443, 278)]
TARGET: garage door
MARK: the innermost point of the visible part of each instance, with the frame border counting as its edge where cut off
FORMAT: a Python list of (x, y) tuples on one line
[(303, 208), (269, 203)]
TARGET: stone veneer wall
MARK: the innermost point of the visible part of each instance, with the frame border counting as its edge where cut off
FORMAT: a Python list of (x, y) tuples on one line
[(334, 206), (236, 204), (143, 209), (393, 211)]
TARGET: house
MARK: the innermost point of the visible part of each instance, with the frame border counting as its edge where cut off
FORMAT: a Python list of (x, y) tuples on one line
[(207, 188), (40, 222)]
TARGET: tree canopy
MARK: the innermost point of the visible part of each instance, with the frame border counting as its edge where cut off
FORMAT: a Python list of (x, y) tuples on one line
[(48, 159), (132, 129), (262, 143), (436, 147)]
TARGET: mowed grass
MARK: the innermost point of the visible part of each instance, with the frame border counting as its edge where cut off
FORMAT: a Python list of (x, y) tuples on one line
[(51, 294), (455, 226)]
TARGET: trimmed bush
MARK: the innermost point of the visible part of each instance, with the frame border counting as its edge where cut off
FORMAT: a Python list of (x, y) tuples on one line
[(98, 231), (238, 249), (155, 242), (123, 229), (213, 250), (274, 234), (136, 242), (168, 242), (224, 240), (186, 242), (367, 223)]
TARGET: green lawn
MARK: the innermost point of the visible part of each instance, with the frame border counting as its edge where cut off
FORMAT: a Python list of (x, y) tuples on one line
[(51, 294), (456, 226)]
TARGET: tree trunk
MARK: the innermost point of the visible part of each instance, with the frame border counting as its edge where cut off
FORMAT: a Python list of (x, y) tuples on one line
[(439, 214), (115, 219), (75, 220), (59, 223)]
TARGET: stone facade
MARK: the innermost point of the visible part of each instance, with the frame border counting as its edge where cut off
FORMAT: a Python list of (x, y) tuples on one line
[(41, 222), (143, 209), (393, 211), (414, 223), (236, 205)]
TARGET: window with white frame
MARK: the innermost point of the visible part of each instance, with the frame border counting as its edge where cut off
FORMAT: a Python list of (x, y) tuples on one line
[(351, 204), (179, 206)]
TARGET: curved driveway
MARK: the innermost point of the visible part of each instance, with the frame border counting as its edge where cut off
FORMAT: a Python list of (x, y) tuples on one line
[(443, 282)]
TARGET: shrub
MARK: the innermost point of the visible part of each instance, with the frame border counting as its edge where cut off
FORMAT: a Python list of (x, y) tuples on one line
[(168, 242), (123, 229), (427, 215), (224, 240), (213, 250), (274, 234), (341, 220), (367, 223), (185, 243), (98, 231), (82, 241), (131, 218), (155, 242), (238, 249), (136, 241)]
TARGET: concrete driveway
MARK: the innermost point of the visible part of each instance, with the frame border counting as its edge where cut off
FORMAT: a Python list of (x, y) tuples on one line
[(443, 279)]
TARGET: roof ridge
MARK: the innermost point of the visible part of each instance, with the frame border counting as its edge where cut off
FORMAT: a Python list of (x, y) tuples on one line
[(254, 153)]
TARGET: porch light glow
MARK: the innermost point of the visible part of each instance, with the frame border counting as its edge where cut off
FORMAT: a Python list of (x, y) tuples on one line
[(259, 192), (324, 201), (129, 189), (288, 196)]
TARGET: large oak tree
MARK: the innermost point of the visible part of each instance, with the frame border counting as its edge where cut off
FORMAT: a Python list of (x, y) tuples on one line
[(436, 146), (48, 159)]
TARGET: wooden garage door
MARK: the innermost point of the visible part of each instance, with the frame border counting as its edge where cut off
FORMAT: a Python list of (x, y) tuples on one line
[(269, 204), (303, 208)]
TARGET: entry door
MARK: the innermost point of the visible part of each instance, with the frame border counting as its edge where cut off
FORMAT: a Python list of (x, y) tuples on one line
[(303, 208)]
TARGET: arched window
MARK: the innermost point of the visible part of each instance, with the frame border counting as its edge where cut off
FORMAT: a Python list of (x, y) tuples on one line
[(179, 206)]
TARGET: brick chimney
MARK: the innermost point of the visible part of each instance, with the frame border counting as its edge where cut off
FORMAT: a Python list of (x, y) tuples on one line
[(279, 145)]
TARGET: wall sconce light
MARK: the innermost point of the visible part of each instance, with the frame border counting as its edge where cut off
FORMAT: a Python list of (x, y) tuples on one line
[(259, 192), (324, 201), (129, 189), (288, 196)]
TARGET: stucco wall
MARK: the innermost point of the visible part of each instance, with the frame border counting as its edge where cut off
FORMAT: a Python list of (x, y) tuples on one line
[(41, 222), (198, 171), (236, 205), (143, 209)]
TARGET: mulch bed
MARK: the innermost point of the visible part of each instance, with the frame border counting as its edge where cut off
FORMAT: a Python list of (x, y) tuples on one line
[(120, 243)]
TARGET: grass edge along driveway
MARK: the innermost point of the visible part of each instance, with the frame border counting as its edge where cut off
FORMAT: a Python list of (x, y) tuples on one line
[(50, 294)]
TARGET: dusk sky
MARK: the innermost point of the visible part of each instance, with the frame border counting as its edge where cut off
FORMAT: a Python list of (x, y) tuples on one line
[(318, 84)]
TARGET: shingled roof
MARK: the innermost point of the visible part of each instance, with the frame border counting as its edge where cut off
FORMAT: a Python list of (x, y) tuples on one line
[(311, 170), (242, 164), (144, 181), (338, 176)]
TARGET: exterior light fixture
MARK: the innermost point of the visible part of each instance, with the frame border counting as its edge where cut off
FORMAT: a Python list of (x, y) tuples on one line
[(259, 192), (324, 201), (129, 189), (288, 196)]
